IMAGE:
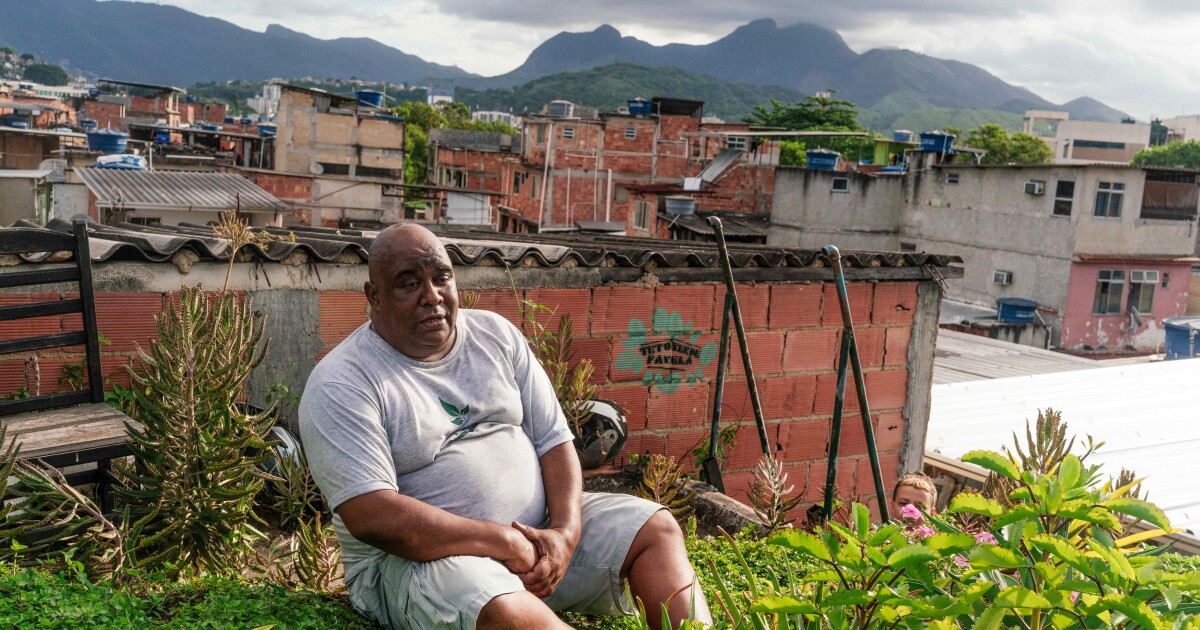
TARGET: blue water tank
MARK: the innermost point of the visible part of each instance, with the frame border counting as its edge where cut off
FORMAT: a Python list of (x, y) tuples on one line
[(265, 130), (640, 107), (190, 98), (14, 121), (902, 135), (87, 124), (246, 120), (1183, 337), (370, 97), (230, 120), (107, 141), (823, 159), (937, 141), (1013, 310), (162, 136)]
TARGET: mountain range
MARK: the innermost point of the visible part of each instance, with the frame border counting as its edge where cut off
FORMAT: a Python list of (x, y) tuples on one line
[(162, 44)]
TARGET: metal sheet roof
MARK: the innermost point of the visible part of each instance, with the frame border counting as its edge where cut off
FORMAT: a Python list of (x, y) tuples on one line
[(25, 174), (962, 357), (1148, 415), (177, 190)]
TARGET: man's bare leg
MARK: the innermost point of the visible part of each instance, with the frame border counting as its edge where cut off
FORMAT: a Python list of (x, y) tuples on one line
[(519, 610), (657, 567)]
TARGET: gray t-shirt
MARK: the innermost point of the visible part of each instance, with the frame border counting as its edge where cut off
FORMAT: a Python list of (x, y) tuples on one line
[(463, 433)]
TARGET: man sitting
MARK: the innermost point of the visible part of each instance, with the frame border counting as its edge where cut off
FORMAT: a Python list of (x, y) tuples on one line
[(438, 441)]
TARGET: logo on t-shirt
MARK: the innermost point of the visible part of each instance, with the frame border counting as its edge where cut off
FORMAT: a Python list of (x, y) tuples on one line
[(457, 416)]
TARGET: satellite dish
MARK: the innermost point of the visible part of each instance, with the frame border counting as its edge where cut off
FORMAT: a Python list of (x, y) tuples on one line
[(316, 169)]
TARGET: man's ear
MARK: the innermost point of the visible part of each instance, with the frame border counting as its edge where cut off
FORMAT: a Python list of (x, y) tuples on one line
[(372, 294)]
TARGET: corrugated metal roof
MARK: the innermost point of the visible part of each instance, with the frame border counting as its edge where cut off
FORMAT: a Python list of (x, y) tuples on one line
[(732, 226), (25, 174), (177, 190), (1135, 258), (962, 357), (160, 243), (1148, 415)]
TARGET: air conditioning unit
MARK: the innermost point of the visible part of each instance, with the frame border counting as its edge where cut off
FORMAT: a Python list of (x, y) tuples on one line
[(1033, 187), (1002, 277)]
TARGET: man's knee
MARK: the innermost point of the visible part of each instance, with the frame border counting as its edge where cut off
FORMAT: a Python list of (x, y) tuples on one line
[(519, 609), (661, 528)]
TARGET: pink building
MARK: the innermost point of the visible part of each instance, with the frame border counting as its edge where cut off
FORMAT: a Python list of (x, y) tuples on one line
[(1121, 301)]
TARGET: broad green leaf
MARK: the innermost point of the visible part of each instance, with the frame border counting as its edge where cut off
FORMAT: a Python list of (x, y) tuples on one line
[(825, 575), (875, 555), (975, 504), (911, 555), (990, 619), (862, 520), (1115, 560), (1014, 514), (1061, 549), (803, 542), (784, 604), (1171, 596), (974, 591), (1124, 490), (1068, 472), (1095, 515), (849, 597), (843, 532), (1140, 510), (881, 536), (994, 462), (1134, 609), (995, 557), (949, 543), (1021, 597)]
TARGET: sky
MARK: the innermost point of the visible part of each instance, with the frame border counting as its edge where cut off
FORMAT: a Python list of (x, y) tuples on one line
[(1139, 56)]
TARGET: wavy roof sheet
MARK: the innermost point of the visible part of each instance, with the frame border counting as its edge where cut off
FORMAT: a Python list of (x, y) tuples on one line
[(177, 190)]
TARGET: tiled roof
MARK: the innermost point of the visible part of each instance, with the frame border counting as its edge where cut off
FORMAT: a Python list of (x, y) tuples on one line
[(160, 243), (176, 190)]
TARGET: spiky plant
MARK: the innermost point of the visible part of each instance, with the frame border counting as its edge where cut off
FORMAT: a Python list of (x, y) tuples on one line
[(768, 494), (292, 494), (198, 454), (552, 347), (308, 558), (661, 483), (1045, 446)]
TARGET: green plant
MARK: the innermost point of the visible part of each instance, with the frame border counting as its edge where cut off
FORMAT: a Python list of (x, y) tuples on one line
[(768, 494), (726, 440), (662, 484), (190, 492), (552, 347), (292, 494), (309, 558)]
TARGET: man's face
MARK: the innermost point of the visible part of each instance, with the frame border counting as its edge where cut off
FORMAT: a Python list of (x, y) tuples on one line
[(908, 495), (414, 301)]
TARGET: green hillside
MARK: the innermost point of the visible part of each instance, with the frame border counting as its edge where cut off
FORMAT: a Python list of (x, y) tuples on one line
[(609, 87), (930, 118)]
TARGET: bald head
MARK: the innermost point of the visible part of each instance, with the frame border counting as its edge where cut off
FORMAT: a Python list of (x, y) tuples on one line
[(411, 290)]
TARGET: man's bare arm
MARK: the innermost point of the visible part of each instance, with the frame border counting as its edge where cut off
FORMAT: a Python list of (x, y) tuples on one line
[(414, 530), (555, 545)]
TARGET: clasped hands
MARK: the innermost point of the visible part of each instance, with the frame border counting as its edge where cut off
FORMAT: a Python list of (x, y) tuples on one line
[(542, 559)]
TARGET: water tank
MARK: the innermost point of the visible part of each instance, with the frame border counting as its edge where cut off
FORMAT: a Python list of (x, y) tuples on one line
[(823, 159), (265, 130), (640, 107), (370, 97), (1183, 337), (87, 124), (14, 122), (560, 109), (190, 98), (123, 162), (680, 204), (902, 135), (230, 120), (937, 141), (107, 141), (1011, 310), (162, 136), (246, 120)]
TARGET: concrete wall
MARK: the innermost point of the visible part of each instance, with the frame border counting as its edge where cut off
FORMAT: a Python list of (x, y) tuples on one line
[(1129, 234), (807, 212), (1083, 328), (18, 200), (1134, 136), (68, 201), (793, 330), (306, 137)]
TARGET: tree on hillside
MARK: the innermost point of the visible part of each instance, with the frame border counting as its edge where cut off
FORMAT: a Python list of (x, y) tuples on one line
[(27, 57), (420, 118), (1005, 148), (1174, 155), (8, 50), (46, 74)]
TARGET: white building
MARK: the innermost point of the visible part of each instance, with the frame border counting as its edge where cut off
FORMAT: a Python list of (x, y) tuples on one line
[(1087, 141)]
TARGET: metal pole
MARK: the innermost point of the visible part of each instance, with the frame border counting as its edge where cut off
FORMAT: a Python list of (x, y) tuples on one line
[(712, 468), (835, 432), (741, 333), (835, 260)]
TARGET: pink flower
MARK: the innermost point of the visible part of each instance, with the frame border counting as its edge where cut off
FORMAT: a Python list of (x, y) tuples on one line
[(962, 562), (924, 532), (910, 511), (986, 538), (1074, 595)]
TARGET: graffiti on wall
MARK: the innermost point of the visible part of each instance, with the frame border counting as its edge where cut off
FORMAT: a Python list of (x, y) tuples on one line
[(667, 354)]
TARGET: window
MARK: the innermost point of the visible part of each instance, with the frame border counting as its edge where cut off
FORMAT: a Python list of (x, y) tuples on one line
[(1141, 289), (1064, 197), (1097, 144), (1166, 280), (533, 190), (641, 215), (1109, 286), (630, 133), (736, 142), (334, 169), (1108, 200), (1002, 277), (951, 178), (372, 171), (568, 133), (541, 133), (517, 179), (841, 184), (908, 247)]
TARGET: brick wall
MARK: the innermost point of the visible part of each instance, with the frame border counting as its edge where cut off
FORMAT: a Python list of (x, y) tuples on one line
[(106, 115), (793, 331)]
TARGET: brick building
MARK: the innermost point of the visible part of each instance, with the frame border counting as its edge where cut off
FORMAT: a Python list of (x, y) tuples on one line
[(624, 298), (572, 164)]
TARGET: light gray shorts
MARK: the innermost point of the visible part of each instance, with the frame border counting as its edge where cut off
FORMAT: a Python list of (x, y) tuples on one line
[(449, 593)]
